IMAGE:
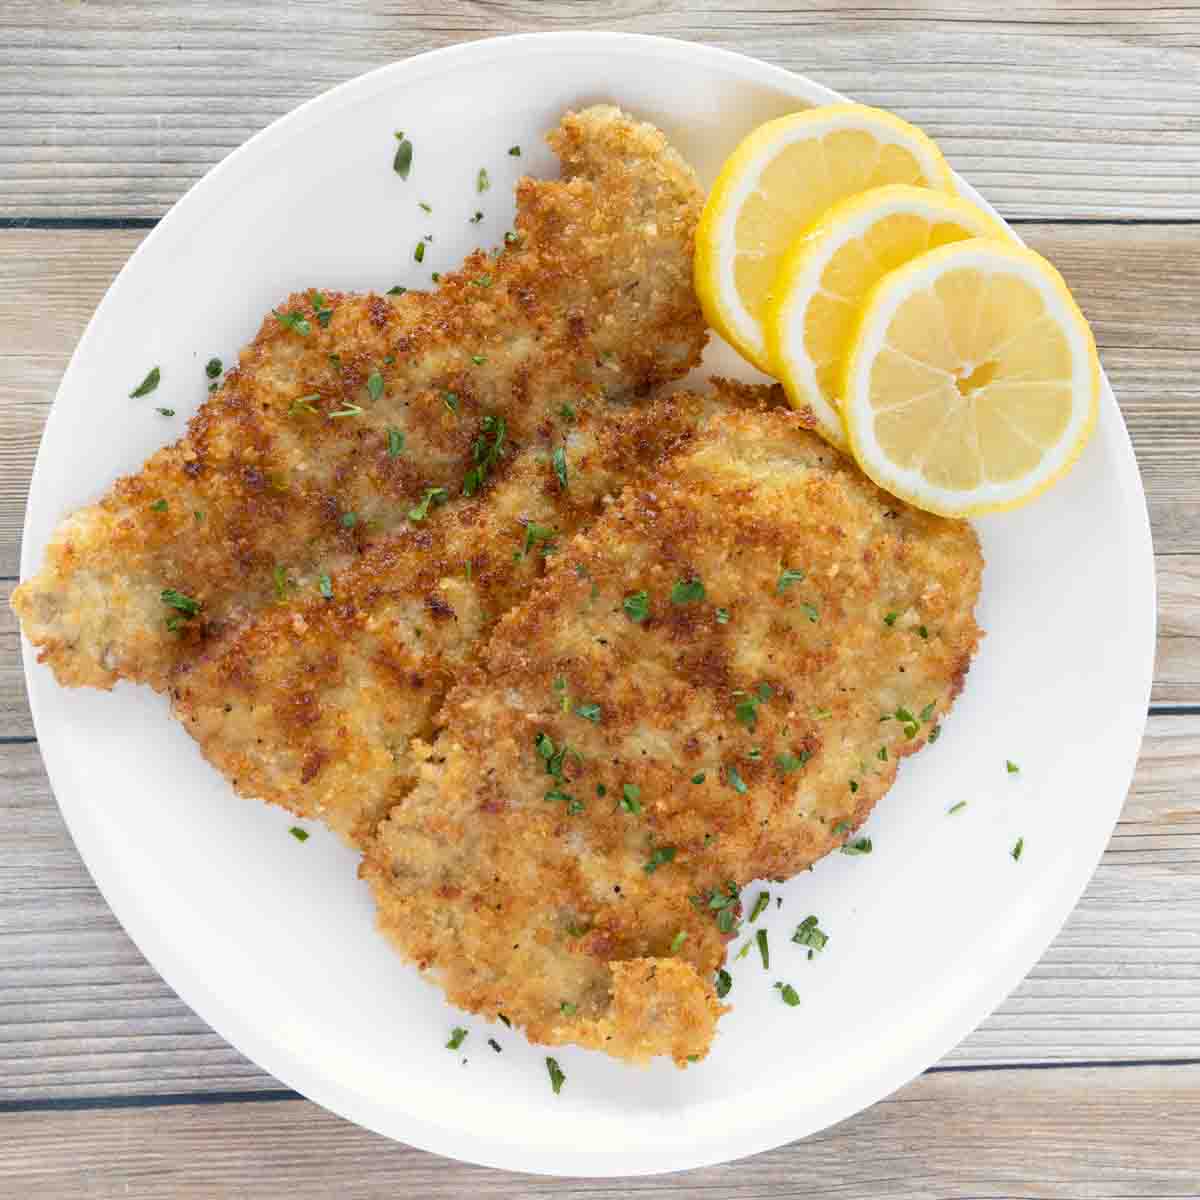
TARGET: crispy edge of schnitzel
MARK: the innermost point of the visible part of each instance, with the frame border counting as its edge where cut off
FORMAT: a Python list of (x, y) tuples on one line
[(288, 471), (757, 700)]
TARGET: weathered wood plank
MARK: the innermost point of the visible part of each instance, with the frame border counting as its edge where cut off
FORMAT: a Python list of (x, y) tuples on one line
[(1075, 110), (1097, 1132), (82, 1014)]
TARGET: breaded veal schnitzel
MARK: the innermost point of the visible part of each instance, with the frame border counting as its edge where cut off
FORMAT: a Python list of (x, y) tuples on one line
[(713, 683), (313, 704), (348, 414)]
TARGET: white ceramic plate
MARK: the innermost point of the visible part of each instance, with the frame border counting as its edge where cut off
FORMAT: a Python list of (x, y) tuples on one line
[(271, 941)]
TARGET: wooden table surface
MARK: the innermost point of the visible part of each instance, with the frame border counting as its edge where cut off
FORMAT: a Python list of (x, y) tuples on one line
[(1080, 120)]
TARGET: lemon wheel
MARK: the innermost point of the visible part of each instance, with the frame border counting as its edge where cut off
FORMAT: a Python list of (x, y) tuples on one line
[(973, 382)]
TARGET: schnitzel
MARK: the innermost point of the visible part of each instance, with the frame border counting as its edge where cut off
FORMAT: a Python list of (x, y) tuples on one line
[(350, 417), (713, 683), (313, 704)]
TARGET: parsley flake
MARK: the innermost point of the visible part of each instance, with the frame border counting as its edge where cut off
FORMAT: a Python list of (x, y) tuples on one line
[(735, 780), (687, 591), (166, 412), (789, 994), (661, 856), (158, 506), (212, 368), (927, 711), (301, 835), (589, 712), (325, 584), (630, 798), (423, 206), (515, 151), (763, 949), (698, 777), (434, 496), (458, 1035), (147, 385), (722, 616), (678, 940), (396, 290), (395, 441), (486, 453), (760, 903), (375, 385), (476, 218), (478, 359), (923, 631), (323, 311), (809, 933), (724, 983), (1018, 849), (811, 613), (557, 1078), (559, 458), (535, 533), (792, 762), (1011, 767), (296, 321), (637, 606), (890, 619), (956, 808), (349, 410), (567, 412), (482, 183), (787, 577), (402, 163), (177, 600), (862, 846), (419, 252)]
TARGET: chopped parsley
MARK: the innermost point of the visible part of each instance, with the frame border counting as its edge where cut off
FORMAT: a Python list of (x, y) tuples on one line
[(478, 359), (746, 709), (763, 949), (486, 453), (923, 631), (512, 239), (1011, 767), (722, 901), (882, 755), (147, 385), (166, 412), (687, 591), (458, 1035), (637, 606), (177, 600), (419, 252), (630, 798), (698, 777), (423, 206), (724, 983), (589, 712), (484, 281), (350, 410), (890, 619), (476, 218), (402, 163), (853, 786), (809, 933), (535, 533), (678, 940), (482, 183), (934, 734), (375, 385), (789, 994), (301, 835), (760, 903), (450, 400), (568, 1009), (661, 856), (515, 151), (567, 412), (811, 613), (159, 506), (296, 321), (212, 368), (281, 582), (326, 586), (349, 520), (396, 290), (909, 722), (559, 458), (1018, 849), (303, 404), (321, 308), (434, 496), (395, 441), (927, 711), (956, 807), (792, 762), (787, 577), (841, 827), (862, 846), (557, 1078), (822, 714), (722, 616), (735, 780), (574, 806)]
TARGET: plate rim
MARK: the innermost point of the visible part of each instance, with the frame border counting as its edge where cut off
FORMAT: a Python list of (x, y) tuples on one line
[(333, 1094)]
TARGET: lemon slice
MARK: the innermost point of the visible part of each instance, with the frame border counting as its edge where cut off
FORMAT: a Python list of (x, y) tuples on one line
[(777, 182), (827, 272), (973, 382)]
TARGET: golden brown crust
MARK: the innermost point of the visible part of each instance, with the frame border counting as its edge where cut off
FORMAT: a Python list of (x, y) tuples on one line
[(593, 298), (312, 704), (759, 722)]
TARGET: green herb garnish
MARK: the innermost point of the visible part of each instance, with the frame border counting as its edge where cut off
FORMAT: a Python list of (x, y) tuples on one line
[(375, 385), (567, 412), (301, 835), (402, 163), (698, 777), (419, 252), (158, 506), (809, 933), (1011, 767), (890, 619), (434, 496), (396, 290), (166, 412), (792, 762), (482, 182), (535, 533), (1018, 849), (735, 780), (423, 206), (323, 311), (723, 984), (212, 368), (956, 807), (559, 458), (630, 798), (557, 1078), (790, 996), (687, 591), (678, 940), (476, 218), (147, 385), (661, 856), (325, 584), (458, 1035), (787, 577), (515, 151), (349, 410), (589, 712), (862, 846), (763, 949), (760, 903), (177, 600), (486, 453), (811, 613), (295, 320), (722, 616), (395, 441), (637, 606)]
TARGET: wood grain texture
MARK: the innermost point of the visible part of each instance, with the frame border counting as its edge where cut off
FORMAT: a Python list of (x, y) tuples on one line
[(1084, 1133), (1077, 109), (82, 1014)]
